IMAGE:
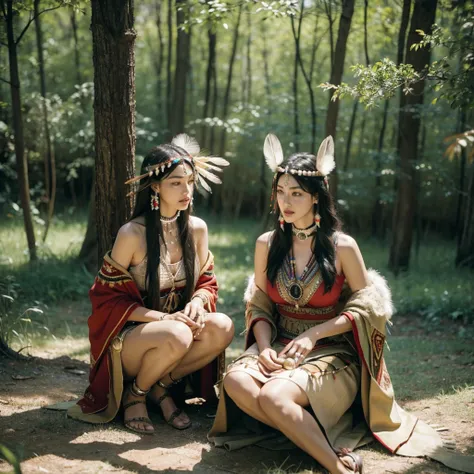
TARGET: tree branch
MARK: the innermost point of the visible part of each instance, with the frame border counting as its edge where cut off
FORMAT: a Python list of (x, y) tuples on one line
[(4, 80), (33, 18)]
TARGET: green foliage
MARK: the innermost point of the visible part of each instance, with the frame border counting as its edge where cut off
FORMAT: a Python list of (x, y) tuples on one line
[(11, 458)]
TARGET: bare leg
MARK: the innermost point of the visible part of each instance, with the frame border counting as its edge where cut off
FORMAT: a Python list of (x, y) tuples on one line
[(244, 390), (283, 402), (148, 352), (214, 338)]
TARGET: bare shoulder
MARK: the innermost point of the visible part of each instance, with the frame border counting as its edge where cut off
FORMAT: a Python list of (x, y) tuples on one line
[(198, 224), (346, 242), (263, 243), (131, 231)]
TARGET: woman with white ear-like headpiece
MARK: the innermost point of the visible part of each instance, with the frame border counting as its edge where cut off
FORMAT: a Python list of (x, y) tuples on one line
[(313, 368), (154, 330)]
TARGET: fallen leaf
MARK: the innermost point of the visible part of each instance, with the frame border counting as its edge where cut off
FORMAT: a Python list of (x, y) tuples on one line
[(75, 371), (22, 377)]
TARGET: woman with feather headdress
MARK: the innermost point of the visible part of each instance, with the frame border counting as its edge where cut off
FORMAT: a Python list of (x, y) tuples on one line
[(154, 324), (313, 369)]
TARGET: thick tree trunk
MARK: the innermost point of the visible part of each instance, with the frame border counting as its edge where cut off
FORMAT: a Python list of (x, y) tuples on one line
[(21, 160), (336, 76), (113, 40), (88, 254), (169, 59), (49, 158), (409, 125), (465, 251), (183, 51)]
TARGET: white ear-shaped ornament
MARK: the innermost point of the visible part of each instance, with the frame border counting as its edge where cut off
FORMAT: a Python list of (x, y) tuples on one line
[(325, 158), (273, 152)]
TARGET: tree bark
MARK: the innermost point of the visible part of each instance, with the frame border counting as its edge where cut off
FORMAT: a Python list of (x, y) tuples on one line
[(225, 109), (183, 51), (159, 65), (49, 158), (169, 59), (423, 17), (210, 74), (350, 134), (113, 39), (77, 57), (465, 250), (336, 76), (17, 119), (88, 254)]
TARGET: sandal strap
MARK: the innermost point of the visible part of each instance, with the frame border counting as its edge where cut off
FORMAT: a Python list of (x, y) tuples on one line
[(131, 404), (174, 415), (163, 397), (138, 418)]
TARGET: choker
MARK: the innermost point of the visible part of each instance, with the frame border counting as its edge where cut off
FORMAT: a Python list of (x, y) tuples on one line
[(303, 234), (169, 220)]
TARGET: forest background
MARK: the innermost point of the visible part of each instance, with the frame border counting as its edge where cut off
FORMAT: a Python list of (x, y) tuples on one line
[(88, 88)]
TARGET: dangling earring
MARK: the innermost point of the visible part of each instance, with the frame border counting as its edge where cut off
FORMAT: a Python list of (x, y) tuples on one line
[(192, 201), (282, 222), (155, 201), (317, 217)]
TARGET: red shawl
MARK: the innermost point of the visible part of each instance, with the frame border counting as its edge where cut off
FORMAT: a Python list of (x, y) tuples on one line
[(114, 296)]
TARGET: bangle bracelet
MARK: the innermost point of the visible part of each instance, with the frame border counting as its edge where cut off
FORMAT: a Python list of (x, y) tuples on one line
[(201, 297)]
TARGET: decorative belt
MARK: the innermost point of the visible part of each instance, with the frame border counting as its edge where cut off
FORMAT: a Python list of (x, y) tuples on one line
[(289, 327)]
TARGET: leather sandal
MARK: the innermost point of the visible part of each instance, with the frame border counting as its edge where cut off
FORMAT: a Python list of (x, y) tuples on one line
[(177, 412), (358, 467), (135, 391)]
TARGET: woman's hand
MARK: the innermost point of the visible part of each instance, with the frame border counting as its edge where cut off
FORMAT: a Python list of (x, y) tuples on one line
[(180, 316), (268, 361), (299, 347), (195, 310)]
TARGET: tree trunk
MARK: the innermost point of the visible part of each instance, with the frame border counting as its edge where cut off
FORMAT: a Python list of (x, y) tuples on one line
[(169, 87), (296, 114), (377, 210), (210, 72), (113, 39), (226, 104), (21, 161), (77, 57), (350, 134), (183, 51), (88, 254), (336, 76), (49, 158), (408, 129), (159, 66), (465, 251)]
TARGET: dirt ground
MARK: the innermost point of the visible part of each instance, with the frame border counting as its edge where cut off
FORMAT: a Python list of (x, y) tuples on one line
[(48, 442)]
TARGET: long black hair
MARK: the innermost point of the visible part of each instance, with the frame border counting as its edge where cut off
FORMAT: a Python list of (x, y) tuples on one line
[(323, 243), (154, 229)]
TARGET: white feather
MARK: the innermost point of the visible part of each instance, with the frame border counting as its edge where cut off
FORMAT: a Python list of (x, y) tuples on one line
[(210, 176), (273, 151), (203, 183), (213, 159), (187, 143), (325, 159)]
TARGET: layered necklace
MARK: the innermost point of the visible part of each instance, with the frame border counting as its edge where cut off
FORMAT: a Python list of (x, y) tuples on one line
[(296, 285), (171, 235), (303, 234)]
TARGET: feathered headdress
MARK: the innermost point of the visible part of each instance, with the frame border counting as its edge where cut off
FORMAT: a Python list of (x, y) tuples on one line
[(205, 166), (324, 160)]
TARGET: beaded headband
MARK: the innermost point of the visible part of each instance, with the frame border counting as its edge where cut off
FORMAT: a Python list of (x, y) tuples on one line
[(324, 159), (204, 166)]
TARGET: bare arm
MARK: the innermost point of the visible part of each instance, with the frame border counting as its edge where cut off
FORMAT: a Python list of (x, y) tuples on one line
[(262, 329), (127, 243)]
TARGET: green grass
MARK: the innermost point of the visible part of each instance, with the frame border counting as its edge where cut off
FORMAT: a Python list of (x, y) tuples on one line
[(57, 284)]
